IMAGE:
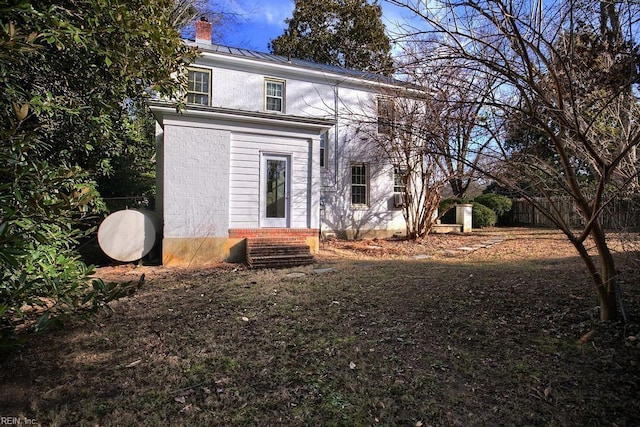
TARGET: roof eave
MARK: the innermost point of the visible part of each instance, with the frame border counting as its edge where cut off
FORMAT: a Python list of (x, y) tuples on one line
[(363, 79), (160, 109)]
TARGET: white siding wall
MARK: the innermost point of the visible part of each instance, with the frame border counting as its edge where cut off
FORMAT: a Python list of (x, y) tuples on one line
[(196, 182), (244, 187)]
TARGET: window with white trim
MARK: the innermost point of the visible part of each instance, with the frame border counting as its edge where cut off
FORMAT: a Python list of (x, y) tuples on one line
[(386, 115), (274, 95), (199, 87), (399, 180), (359, 184), (324, 150), (399, 187)]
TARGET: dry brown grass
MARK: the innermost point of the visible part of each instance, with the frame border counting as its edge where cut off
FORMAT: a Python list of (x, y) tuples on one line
[(490, 337)]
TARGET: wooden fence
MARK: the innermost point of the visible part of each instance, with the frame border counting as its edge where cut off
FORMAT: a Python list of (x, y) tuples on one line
[(620, 214)]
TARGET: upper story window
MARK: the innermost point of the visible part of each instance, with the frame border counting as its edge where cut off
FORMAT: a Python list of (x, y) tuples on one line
[(386, 115), (324, 151), (359, 184), (199, 89), (274, 95)]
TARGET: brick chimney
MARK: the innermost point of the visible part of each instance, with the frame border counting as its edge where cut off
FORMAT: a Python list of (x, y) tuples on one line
[(203, 31)]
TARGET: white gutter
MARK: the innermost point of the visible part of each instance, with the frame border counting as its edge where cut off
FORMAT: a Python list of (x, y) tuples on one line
[(163, 109)]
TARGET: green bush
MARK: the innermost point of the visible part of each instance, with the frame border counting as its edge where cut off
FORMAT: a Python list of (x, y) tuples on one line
[(42, 279), (483, 216), (498, 203)]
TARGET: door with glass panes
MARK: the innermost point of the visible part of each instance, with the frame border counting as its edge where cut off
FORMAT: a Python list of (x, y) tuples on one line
[(274, 190)]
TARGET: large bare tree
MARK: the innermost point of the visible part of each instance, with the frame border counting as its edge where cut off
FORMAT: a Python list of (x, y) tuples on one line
[(454, 118), (567, 70), (433, 130), (404, 139)]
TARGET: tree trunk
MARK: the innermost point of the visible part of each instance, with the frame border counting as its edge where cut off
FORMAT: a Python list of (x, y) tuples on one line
[(604, 279), (608, 277), (457, 187)]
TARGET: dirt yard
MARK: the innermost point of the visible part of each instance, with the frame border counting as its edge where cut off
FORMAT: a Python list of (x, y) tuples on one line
[(499, 327)]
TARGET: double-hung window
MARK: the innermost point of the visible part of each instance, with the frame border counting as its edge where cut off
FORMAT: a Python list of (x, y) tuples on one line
[(199, 88), (359, 184), (324, 151), (399, 187), (386, 115), (274, 95), (399, 180)]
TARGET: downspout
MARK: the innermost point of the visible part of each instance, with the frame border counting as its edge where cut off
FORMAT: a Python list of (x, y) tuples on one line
[(336, 95)]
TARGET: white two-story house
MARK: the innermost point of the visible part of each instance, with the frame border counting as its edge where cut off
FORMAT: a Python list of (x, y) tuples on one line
[(270, 146)]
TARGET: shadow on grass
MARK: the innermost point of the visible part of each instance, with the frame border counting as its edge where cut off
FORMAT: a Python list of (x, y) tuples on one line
[(450, 342)]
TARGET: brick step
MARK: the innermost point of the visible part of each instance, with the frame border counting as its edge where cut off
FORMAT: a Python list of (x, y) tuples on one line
[(277, 252), (280, 261), (282, 257), (273, 250), (275, 242), (289, 261)]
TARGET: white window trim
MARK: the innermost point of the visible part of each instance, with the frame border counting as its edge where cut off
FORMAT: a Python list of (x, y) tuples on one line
[(282, 98), (397, 172), (324, 150), (274, 222), (208, 93), (386, 115), (366, 185), (399, 197)]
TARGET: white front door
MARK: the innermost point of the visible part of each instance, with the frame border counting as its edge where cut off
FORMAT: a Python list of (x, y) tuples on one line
[(274, 179)]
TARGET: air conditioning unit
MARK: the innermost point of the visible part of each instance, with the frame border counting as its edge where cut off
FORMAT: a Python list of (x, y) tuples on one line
[(399, 200)]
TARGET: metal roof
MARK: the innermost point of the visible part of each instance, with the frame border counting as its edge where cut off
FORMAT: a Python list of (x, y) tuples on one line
[(299, 63)]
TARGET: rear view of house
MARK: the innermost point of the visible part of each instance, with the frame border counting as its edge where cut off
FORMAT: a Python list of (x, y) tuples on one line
[(269, 147)]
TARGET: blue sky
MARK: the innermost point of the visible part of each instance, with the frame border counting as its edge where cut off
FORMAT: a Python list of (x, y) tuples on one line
[(261, 21)]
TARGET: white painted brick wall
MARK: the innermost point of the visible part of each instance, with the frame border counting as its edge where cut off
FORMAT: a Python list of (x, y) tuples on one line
[(196, 182)]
